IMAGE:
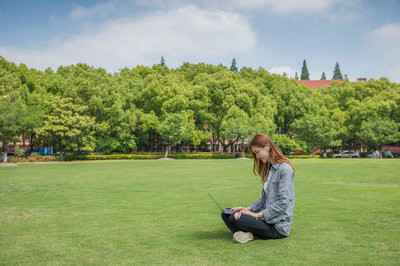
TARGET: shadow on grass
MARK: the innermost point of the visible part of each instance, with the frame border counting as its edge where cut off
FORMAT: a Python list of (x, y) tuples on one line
[(219, 234)]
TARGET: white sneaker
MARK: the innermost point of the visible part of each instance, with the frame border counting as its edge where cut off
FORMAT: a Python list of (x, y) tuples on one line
[(242, 237)]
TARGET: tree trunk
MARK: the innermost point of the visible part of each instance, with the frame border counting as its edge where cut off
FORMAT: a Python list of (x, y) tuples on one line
[(166, 152), (5, 147), (211, 139), (23, 143), (224, 146), (31, 143), (151, 141)]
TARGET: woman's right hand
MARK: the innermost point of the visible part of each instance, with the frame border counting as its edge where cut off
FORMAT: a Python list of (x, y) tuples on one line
[(240, 208)]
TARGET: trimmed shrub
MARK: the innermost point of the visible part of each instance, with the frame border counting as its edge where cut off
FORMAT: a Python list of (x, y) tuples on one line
[(110, 157), (303, 156)]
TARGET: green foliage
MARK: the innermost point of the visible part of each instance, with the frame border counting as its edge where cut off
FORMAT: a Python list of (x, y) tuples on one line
[(66, 127), (19, 152), (176, 127), (336, 73), (303, 156), (285, 143), (323, 77), (292, 102), (10, 122), (111, 157), (377, 133), (80, 108), (35, 155), (233, 66), (317, 130), (304, 72), (147, 156)]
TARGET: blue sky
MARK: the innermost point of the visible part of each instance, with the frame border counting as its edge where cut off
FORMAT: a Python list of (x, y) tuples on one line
[(363, 36)]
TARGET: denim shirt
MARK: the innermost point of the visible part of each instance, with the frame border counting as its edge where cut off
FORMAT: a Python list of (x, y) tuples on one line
[(277, 199)]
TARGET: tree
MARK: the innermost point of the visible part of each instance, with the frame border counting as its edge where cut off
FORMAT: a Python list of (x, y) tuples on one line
[(150, 124), (323, 77), (10, 124), (66, 127), (376, 133), (235, 126), (304, 72), (32, 117), (336, 73), (233, 66), (175, 128), (284, 74), (296, 76), (316, 130), (285, 143), (162, 62), (290, 102)]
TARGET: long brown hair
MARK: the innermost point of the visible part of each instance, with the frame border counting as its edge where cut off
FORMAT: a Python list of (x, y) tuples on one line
[(260, 168)]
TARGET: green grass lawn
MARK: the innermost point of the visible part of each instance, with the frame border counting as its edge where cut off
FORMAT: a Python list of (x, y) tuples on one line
[(158, 212)]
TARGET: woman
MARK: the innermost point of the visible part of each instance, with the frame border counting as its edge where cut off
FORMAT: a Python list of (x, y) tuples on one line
[(270, 217)]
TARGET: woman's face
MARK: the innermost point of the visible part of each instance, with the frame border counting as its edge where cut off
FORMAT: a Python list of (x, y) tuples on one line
[(262, 153)]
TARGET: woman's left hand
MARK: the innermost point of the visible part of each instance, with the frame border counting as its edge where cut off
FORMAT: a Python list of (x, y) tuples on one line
[(255, 215)]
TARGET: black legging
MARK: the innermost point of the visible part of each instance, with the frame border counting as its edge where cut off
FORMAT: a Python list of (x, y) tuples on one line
[(248, 223)]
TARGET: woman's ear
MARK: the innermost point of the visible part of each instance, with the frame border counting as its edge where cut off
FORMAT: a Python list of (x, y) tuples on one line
[(267, 147)]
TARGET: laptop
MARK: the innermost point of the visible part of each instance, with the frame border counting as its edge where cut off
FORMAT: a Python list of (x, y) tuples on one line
[(226, 210)]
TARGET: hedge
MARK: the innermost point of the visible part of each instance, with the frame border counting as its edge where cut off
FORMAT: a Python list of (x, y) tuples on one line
[(111, 157), (158, 156), (302, 156)]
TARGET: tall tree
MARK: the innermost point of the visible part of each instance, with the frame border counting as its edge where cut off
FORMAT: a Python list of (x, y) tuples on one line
[(378, 132), (296, 76), (323, 77), (233, 66), (176, 128), (235, 126), (304, 72), (318, 131), (66, 127), (9, 123), (162, 62), (336, 73)]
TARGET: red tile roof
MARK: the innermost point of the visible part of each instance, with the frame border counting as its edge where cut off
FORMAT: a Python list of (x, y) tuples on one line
[(313, 84)]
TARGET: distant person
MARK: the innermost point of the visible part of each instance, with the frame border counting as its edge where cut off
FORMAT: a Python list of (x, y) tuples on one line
[(389, 154), (376, 154), (270, 217)]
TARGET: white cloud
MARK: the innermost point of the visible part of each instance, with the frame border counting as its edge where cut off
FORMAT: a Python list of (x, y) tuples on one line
[(285, 69), (163, 3), (179, 35), (386, 39), (288, 7), (343, 17), (285, 7), (383, 44)]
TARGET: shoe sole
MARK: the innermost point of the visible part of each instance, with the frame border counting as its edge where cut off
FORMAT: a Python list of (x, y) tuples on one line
[(242, 237)]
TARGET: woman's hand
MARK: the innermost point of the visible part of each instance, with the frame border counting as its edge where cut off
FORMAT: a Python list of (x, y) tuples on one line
[(254, 214), (240, 209)]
